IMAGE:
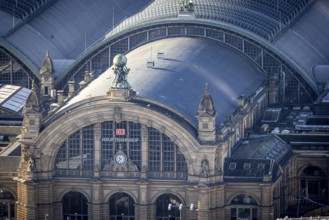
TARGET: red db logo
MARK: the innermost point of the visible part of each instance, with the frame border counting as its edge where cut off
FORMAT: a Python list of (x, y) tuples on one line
[(120, 131)]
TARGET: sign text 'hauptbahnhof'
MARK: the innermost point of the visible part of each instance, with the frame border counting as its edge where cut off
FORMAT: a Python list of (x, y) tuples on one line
[(107, 139)]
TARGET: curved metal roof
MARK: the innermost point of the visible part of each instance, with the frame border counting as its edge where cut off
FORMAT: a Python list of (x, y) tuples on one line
[(178, 80), (67, 27), (263, 18), (306, 42)]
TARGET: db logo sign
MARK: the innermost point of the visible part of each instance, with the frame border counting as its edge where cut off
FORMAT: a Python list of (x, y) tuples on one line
[(120, 131)]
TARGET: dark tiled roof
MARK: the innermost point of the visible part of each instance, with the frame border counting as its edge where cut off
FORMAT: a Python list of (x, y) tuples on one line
[(246, 167)]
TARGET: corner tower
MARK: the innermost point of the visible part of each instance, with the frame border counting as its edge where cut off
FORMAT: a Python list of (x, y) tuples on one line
[(207, 118), (47, 76)]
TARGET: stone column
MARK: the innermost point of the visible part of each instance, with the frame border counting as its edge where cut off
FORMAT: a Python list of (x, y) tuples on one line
[(142, 209), (26, 203), (144, 152), (97, 150), (97, 199), (203, 202)]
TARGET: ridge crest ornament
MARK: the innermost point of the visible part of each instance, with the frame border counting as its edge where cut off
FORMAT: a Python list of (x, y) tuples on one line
[(120, 88), (121, 71)]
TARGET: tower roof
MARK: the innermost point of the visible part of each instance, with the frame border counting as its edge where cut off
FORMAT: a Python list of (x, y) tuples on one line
[(47, 65), (206, 105)]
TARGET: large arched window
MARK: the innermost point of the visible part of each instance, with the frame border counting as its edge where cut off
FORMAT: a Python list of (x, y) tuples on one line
[(124, 135), (7, 205), (75, 206), (76, 156), (77, 153), (162, 211), (313, 183), (165, 159), (243, 207), (121, 207)]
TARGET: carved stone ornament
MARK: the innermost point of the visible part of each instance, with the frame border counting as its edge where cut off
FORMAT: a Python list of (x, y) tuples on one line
[(31, 165), (120, 163), (204, 168)]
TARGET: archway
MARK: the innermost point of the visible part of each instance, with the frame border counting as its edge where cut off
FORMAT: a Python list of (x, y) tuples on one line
[(75, 206), (121, 207), (7, 205), (243, 207), (162, 211)]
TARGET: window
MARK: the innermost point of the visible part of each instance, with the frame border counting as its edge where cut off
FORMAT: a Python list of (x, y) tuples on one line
[(243, 207), (7, 205), (125, 136), (162, 203), (77, 153), (246, 166), (74, 206), (232, 166), (121, 206), (164, 155)]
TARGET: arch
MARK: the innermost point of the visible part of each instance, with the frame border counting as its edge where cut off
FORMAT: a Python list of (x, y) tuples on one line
[(167, 205), (75, 205), (108, 196), (53, 136), (313, 184), (158, 194), (59, 196), (230, 199), (306, 81), (244, 206), (7, 204), (121, 205), (312, 171), (244, 199), (315, 165), (4, 188)]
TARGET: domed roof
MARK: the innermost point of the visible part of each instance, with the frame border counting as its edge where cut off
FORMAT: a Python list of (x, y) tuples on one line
[(178, 79)]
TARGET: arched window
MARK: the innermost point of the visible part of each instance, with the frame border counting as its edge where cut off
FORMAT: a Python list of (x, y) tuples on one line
[(124, 135), (7, 205), (162, 203), (121, 207), (165, 159), (75, 206), (76, 155), (313, 183), (243, 207)]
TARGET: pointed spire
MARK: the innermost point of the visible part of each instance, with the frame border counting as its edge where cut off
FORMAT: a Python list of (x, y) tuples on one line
[(206, 118), (33, 99), (47, 65), (206, 92), (207, 104)]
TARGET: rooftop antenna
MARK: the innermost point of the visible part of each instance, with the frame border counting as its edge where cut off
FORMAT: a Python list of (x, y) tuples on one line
[(113, 17), (85, 40)]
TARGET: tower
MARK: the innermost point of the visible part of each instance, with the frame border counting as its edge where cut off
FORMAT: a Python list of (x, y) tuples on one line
[(47, 76), (206, 118), (32, 117)]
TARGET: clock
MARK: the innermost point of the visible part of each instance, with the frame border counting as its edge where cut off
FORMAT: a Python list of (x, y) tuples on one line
[(120, 158)]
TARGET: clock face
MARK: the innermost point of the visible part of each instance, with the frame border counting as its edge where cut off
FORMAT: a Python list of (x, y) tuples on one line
[(120, 159)]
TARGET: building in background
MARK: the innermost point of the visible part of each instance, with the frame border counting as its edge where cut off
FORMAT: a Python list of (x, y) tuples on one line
[(164, 109)]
